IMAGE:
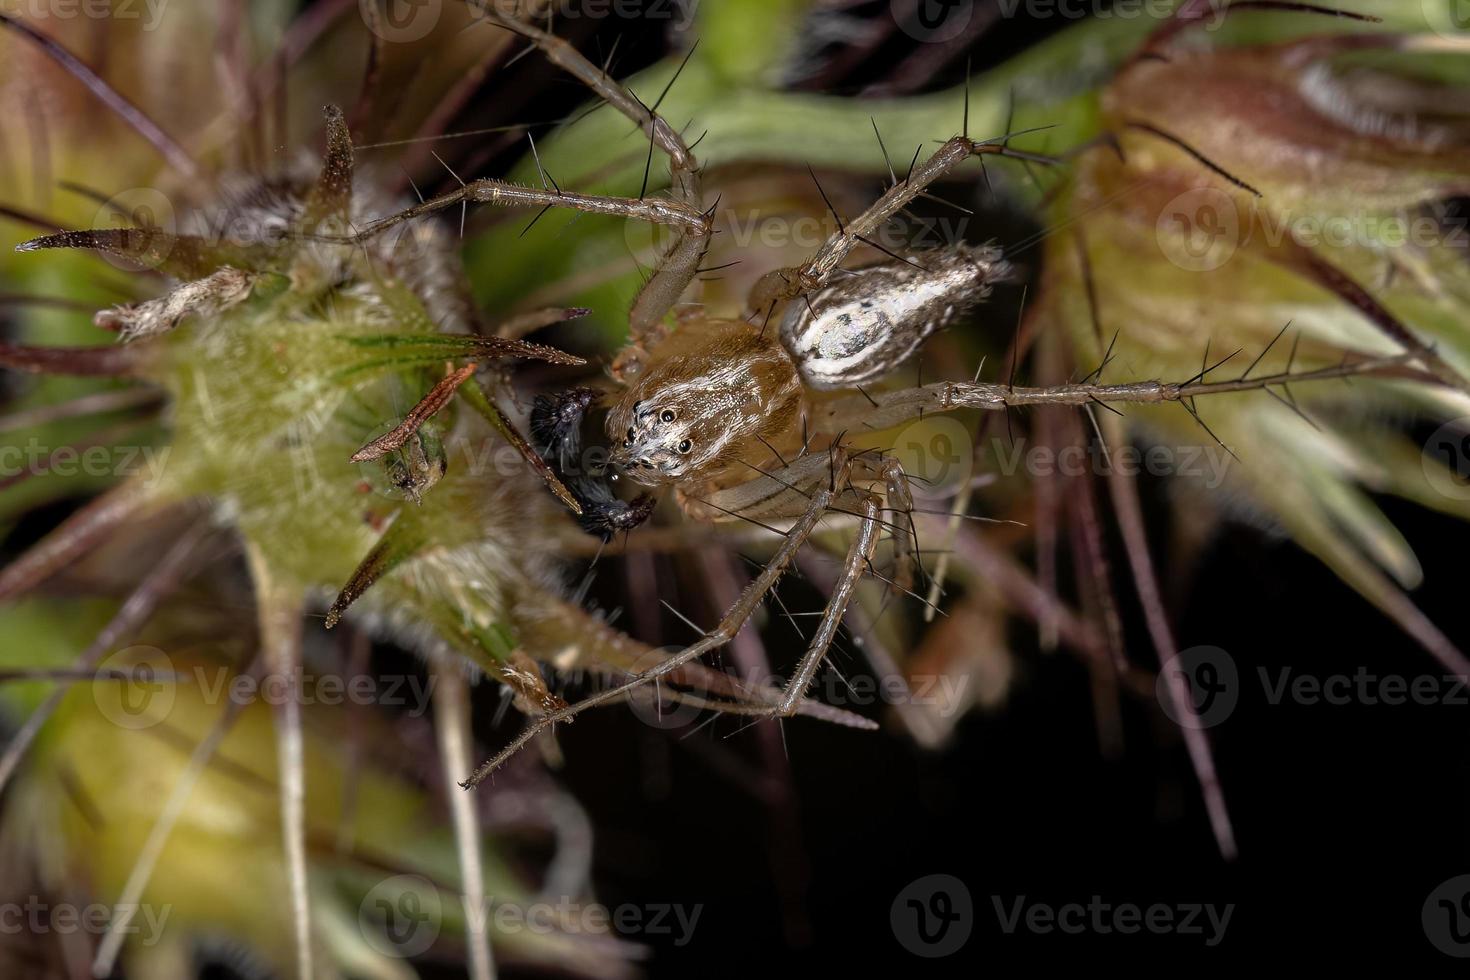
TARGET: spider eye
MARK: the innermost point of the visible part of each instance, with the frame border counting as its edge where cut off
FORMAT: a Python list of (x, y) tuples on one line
[(667, 415), (684, 446), (630, 433)]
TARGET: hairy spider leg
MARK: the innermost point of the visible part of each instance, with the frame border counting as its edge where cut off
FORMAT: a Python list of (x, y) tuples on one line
[(789, 283), (681, 211)]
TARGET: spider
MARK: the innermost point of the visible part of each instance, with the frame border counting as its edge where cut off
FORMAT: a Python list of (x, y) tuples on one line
[(707, 402)]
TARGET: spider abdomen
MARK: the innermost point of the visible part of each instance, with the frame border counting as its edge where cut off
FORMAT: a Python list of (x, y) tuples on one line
[(873, 320)]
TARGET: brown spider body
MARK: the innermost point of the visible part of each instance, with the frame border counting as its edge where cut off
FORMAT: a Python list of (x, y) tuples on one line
[(718, 396)]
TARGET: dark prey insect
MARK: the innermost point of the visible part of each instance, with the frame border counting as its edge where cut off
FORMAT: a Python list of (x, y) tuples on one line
[(556, 430)]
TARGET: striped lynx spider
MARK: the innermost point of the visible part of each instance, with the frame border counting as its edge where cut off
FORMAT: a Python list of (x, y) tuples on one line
[(708, 404)]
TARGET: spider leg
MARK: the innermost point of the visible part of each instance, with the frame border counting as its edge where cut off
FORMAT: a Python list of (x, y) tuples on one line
[(784, 284), (723, 633), (859, 556), (900, 504), (685, 217), (550, 623), (886, 409), (680, 261), (681, 211), (822, 478)]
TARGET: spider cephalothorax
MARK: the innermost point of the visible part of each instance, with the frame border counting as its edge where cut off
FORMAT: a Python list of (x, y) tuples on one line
[(711, 393)]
